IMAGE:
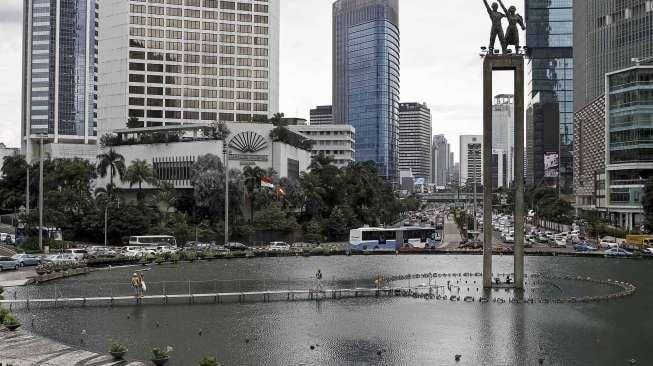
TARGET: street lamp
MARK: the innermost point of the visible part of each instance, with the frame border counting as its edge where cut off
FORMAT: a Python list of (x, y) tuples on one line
[(43, 248)]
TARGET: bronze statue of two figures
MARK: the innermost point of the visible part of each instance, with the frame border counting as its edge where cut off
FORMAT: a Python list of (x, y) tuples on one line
[(511, 36)]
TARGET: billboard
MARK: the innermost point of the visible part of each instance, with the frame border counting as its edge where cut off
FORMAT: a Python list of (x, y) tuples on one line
[(551, 165), (420, 181)]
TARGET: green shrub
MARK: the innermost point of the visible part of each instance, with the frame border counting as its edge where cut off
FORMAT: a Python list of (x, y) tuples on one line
[(160, 353), (3, 313), (209, 361), (10, 320), (118, 347)]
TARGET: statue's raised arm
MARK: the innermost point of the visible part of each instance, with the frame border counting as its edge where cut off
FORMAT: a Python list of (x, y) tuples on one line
[(487, 6), (505, 10)]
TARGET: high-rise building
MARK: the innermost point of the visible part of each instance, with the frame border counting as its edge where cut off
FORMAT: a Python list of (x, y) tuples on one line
[(441, 161), (59, 77), (503, 134), (471, 159), (334, 140), (366, 78), (191, 61), (549, 38), (322, 115), (415, 140), (609, 37)]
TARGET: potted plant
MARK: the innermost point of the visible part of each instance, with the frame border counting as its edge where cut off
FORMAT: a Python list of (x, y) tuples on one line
[(118, 351), (3, 313), (11, 322), (161, 356)]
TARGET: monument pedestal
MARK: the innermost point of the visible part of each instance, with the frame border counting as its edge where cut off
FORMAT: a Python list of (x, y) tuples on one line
[(514, 63)]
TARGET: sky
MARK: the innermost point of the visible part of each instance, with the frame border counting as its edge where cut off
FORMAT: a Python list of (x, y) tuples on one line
[(440, 63)]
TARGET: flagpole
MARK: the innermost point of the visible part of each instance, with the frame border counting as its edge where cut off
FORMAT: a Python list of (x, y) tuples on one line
[(226, 191)]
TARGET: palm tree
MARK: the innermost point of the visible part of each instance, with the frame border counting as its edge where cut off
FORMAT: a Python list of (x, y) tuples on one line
[(113, 163), (140, 172), (277, 119)]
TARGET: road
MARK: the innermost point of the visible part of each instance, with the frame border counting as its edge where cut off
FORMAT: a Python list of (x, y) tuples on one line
[(451, 237)]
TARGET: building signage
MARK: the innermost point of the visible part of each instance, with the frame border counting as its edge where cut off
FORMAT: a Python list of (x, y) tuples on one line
[(248, 143), (248, 157), (551, 165)]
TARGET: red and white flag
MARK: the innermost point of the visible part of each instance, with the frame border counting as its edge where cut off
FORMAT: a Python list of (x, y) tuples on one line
[(267, 182)]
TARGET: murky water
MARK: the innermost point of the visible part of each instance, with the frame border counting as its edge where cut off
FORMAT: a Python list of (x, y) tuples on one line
[(391, 331)]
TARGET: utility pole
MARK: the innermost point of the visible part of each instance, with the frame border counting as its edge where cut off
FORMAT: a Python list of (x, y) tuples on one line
[(225, 149), (106, 216), (43, 248), (477, 154)]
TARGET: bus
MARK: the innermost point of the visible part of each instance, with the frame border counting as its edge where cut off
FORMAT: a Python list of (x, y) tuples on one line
[(374, 239), (149, 240)]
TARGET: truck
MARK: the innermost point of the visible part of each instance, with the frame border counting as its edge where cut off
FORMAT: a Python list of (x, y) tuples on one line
[(638, 242)]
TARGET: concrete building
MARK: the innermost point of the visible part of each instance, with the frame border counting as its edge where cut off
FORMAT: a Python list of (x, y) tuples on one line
[(415, 140), (471, 159), (250, 145), (503, 134), (337, 141), (550, 42), (6, 151), (500, 169), (59, 78), (366, 78), (589, 152), (441, 161), (322, 115), (188, 62)]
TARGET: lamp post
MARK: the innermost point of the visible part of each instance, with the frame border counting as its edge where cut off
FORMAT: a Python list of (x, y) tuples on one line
[(225, 150)]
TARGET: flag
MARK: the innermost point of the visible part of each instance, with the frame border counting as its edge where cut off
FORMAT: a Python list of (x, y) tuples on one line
[(267, 182)]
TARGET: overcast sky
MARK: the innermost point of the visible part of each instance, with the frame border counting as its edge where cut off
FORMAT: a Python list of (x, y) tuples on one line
[(440, 64)]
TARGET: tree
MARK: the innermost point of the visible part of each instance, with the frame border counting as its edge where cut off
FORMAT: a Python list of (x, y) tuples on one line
[(133, 122), (208, 181), (647, 204), (111, 163), (139, 172), (277, 119)]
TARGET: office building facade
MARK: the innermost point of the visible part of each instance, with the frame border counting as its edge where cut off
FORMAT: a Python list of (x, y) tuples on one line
[(59, 97), (471, 159), (191, 61), (503, 134), (441, 161), (549, 38), (415, 140), (335, 140), (629, 155), (366, 78), (322, 115), (589, 152)]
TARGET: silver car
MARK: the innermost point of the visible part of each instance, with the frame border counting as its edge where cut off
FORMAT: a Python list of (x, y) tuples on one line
[(28, 259), (8, 263)]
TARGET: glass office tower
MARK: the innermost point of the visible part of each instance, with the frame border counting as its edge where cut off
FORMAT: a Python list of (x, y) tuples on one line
[(366, 78), (59, 71), (549, 38)]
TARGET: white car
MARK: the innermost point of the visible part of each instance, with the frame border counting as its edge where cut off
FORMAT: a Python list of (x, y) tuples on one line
[(560, 240), (78, 254), (608, 242), (278, 246), (65, 258), (510, 238)]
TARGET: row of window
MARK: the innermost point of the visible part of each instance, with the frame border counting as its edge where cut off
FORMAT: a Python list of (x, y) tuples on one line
[(228, 5), (195, 115), (191, 13), (210, 82), (193, 47), (191, 104), (205, 93), (189, 80)]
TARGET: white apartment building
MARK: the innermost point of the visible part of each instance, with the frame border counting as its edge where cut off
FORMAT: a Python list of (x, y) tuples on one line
[(503, 131), (174, 62), (335, 140)]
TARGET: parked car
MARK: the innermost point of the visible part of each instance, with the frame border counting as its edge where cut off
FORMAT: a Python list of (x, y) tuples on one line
[(647, 251), (236, 246), (583, 247), (28, 259), (617, 252), (502, 249), (278, 246), (302, 245), (65, 258), (8, 263), (509, 238)]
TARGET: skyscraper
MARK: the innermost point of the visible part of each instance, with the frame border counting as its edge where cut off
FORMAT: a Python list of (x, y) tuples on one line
[(415, 139), (503, 133), (366, 78), (441, 160), (471, 160), (550, 81), (59, 77), (188, 61)]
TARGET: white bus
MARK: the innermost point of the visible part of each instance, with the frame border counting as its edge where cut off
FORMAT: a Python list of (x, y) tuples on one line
[(150, 240), (374, 239)]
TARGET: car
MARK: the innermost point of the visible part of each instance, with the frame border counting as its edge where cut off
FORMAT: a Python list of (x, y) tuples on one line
[(608, 242), (277, 246), (583, 247), (160, 249), (65, 258), (79, 254), (302, 245), (509, 238), (236, 246), (8, 263), (502, 249), (28, 259), (617, 252)]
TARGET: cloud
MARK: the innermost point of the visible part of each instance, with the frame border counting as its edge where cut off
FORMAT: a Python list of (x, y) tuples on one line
[(11, 13)]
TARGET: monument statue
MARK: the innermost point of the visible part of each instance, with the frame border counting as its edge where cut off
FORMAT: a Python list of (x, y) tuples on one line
[(512, 34), (497, 28)]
